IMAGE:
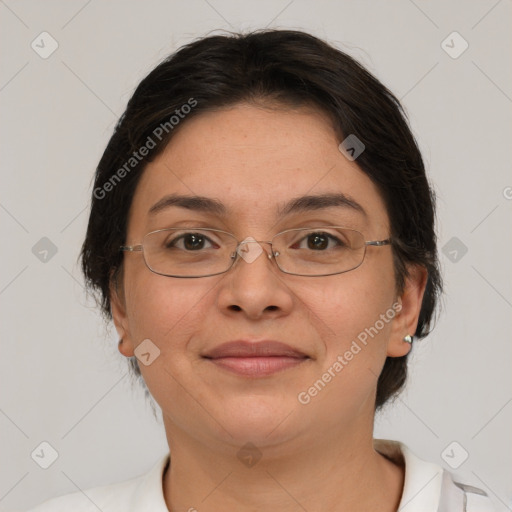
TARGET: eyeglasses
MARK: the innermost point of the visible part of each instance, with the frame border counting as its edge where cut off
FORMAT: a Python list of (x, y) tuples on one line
[(204, 252)]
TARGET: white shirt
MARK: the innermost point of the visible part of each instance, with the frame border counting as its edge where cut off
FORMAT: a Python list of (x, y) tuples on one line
[(427, 488)]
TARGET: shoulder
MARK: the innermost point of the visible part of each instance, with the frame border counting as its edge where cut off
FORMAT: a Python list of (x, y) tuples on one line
[(124, 496), (430, 488)]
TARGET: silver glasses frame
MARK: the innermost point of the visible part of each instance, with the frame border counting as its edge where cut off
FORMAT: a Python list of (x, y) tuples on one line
[(273, 254)]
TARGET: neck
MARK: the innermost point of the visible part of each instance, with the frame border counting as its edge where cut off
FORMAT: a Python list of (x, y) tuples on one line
[(336, 472)]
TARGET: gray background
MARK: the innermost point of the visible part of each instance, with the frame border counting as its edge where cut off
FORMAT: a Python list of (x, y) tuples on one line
[(62, 380)]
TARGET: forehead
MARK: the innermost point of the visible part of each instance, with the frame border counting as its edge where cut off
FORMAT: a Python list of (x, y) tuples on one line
[(254, 161)]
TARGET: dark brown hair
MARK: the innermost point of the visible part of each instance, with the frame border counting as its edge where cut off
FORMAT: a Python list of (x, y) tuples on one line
[(290, 68)]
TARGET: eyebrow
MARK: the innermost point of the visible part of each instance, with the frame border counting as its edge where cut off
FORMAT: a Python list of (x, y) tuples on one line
[(296, 205)]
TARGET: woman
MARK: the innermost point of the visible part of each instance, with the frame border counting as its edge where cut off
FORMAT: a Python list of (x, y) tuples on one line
[(262, 235)]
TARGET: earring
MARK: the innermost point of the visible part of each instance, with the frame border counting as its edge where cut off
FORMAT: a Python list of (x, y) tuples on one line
[(408, 338)]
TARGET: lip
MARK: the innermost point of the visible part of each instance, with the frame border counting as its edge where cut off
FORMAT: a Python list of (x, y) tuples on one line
[(255, 359)]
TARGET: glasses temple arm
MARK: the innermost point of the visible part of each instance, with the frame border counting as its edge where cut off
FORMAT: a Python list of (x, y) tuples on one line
[(130, 248), (378, 243)]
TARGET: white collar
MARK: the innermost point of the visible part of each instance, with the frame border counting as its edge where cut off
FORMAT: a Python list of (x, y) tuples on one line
[(427, 487), (149, 493), (423, 480)]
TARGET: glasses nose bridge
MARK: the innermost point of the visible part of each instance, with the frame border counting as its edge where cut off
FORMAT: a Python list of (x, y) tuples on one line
[(251, 240), (250, 253)]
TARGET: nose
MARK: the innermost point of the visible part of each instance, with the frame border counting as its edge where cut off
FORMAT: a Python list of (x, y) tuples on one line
[(254, 285)]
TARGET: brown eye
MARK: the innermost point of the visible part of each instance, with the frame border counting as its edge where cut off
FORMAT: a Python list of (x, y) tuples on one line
[(188, 242), (193, 241), (320, 242)]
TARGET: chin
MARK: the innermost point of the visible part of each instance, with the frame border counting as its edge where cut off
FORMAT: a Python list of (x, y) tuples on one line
[(256, 419)]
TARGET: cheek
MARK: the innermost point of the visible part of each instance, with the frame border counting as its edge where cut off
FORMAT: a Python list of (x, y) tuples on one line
[(354, 312), (169, 312), (354, 323), (165, 310)]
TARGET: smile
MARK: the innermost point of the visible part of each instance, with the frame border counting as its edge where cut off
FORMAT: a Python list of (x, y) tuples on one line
[(255, 359)]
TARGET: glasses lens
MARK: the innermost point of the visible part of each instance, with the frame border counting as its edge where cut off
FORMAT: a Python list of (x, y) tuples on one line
[(189, 252), (319, 251)]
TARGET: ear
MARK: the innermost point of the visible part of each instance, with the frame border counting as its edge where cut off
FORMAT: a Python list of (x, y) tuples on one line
[(118, 309), (406, 319)]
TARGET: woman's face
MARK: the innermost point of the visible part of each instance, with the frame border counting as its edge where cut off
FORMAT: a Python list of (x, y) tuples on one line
[(255, 161)]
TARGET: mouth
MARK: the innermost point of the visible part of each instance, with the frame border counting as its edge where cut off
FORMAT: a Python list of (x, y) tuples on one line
[(255, 359)]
